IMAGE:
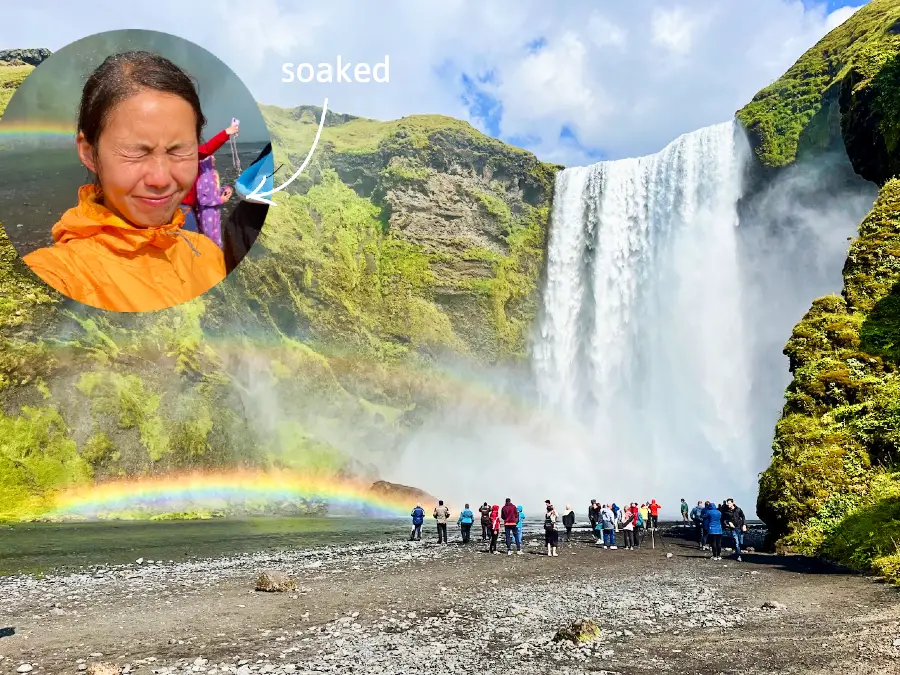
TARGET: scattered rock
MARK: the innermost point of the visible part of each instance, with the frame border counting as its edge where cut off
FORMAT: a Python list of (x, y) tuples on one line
[(583, 630), (897, 642), (25, 668), (668, 555), (102, 669), (773, 604), (275, 582)]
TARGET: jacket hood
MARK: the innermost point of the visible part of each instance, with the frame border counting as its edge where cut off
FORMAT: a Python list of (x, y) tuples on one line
[(92, 220), (519, 509)]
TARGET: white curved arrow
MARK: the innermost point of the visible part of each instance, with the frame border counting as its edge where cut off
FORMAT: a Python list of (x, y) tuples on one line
[(258, 196)]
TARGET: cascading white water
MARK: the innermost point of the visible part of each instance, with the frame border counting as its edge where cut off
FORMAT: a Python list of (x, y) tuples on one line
[(642, 338)]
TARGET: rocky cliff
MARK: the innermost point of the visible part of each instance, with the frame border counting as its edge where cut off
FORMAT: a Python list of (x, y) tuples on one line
[(406, 243), (833, 487)]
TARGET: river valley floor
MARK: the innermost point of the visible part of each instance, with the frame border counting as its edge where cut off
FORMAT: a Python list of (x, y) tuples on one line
[(419, 607)]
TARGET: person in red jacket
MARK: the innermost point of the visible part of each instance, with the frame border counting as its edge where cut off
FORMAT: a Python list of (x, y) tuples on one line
[(510, 517), (495, 527), (204, 150), (654, 513)]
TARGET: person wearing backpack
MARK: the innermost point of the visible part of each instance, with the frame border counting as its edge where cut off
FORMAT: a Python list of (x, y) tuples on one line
[(510, 517), (418, 517), (712, 523), (697, 519), (520, 526), (608, 524), (551, 534), (441, 515), (465, 520), (485, 512), (638, 524)]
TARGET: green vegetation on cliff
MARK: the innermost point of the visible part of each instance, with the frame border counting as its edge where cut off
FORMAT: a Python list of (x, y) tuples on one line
[(833, 486), (404, 242), (799, 111)]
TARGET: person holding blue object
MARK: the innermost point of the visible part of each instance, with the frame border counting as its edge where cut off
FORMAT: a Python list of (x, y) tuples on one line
[(465, 520)]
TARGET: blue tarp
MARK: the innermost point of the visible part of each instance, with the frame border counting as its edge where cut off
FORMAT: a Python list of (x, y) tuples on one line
[(263, 169)]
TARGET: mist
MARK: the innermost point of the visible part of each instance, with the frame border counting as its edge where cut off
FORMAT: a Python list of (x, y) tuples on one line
[(670, 292)]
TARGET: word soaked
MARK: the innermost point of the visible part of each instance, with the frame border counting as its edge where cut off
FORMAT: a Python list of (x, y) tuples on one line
[(338, 72)]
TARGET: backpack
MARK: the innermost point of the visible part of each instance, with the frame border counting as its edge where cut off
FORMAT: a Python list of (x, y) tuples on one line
[(549, 523), (640, 520)]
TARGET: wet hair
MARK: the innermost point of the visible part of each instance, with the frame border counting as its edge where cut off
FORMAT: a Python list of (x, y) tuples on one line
[(123, 75)]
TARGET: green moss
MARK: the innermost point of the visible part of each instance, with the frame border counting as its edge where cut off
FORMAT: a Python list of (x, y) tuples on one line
[(495, 207), (838, 442), (779, 114), (135, 407), (37, 458)]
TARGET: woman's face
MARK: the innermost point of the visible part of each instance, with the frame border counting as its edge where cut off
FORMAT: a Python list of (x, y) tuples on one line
[(146, 157)]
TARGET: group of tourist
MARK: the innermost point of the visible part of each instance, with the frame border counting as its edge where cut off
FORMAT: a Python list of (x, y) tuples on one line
[(606, 520), (712, 522)]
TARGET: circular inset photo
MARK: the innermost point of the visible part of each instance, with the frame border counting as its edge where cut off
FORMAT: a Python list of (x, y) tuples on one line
[(126, 163)]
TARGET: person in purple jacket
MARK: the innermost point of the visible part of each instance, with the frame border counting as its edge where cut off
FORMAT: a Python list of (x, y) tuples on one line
[(210, 197)]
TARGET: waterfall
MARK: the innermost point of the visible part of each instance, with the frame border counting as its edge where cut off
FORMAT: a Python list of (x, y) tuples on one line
[(643, 340)]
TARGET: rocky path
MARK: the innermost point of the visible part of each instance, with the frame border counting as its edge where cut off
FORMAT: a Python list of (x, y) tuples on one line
[(406, 608)]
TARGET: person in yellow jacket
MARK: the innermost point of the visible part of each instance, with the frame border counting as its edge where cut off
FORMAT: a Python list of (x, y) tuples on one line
[(122, 247)]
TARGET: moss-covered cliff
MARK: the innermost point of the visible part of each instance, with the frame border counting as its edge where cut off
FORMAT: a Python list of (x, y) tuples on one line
[(833, 487), (405, 241)]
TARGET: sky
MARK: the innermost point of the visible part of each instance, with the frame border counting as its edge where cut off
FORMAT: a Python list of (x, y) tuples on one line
[(584, 81)]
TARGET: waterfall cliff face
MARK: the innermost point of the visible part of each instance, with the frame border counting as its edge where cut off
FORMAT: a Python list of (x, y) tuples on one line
[(642, 338)]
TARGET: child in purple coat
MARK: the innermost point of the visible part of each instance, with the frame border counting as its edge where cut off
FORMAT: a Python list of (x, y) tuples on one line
[(210, 197)]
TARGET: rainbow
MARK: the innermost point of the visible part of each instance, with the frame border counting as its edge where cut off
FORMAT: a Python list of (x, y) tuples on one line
[(44, 129), (191, 491)]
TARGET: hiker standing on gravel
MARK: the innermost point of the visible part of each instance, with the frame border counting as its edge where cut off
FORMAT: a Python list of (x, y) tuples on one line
[(551, 534), (418, 517), (638, 524), (594, 514), (654, 513), (608, 525), (697, 519), (510, 517), (627, 522), (712, 522), (520, 525), (704, 537), (737, 525), (485, 512), (568, 521), (684, 511), (441, 515), (465, 520), (495, 527)]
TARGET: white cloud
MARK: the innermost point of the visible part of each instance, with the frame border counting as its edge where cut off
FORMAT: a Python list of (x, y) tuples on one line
[(626, 81), (673, 29), (604, 33), (839, 16)]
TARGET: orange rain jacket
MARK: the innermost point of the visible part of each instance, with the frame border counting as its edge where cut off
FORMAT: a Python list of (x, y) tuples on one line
[(101, 260)]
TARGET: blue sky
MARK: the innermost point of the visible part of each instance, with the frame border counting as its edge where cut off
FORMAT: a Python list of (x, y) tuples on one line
[(584, 81)]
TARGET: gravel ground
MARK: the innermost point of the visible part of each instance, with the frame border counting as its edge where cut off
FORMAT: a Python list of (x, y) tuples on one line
[(417, 607)]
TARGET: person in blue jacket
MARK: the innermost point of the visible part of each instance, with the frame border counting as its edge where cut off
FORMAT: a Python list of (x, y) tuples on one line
[(418, 517), (712, 523), (520, 525), (465, 520)]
